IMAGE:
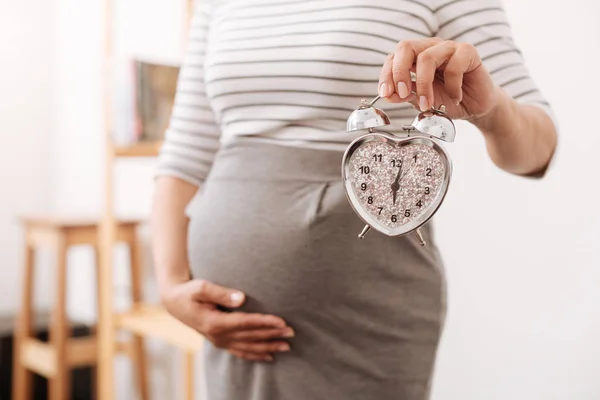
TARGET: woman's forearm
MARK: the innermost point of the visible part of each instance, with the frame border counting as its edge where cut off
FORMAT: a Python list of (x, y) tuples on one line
[(520, 139), (169, 230)]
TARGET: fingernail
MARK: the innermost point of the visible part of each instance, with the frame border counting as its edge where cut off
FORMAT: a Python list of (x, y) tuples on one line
[(384, 90), (403, 90), (289, 333), (237, 298), (284, 347), (423, 103)]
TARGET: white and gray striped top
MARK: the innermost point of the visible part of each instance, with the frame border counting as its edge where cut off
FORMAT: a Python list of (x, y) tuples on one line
[(292, 71)]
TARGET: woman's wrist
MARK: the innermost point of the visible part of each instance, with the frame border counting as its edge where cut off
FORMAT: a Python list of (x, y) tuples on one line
[(171, 277), (520, 139), (487, 123)]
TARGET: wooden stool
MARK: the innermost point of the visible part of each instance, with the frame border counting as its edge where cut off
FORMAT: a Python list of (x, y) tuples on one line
[(54, 359)]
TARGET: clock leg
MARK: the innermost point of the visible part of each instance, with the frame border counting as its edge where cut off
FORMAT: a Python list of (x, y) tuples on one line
[(420, 236), (366, 229)]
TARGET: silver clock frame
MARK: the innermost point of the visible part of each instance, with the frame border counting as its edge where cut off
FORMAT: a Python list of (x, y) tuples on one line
[(389, 138)]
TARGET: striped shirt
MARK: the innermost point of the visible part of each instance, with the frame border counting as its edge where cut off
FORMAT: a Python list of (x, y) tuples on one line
[(291, 71)]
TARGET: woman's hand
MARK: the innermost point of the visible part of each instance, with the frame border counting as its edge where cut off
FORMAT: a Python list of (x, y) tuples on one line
[(250, 336), (520, 138), (195, 302), (448, 73)]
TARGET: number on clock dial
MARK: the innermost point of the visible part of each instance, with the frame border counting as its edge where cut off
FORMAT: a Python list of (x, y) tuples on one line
[(417, 170)]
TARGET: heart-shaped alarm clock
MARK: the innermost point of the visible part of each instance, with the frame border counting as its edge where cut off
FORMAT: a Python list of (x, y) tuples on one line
[(396, 183)]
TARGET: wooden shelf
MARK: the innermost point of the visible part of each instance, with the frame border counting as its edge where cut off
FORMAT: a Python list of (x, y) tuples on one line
[(146, 321), (41, 356), (155, 322), (141, 149)]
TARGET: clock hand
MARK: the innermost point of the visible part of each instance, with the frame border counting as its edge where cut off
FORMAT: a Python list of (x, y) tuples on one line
[(396, 184), (399, 173), (409, 169), (398, 178), (407, 172)]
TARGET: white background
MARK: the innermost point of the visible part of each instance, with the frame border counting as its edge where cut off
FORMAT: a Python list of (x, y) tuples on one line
[(523, 260), (523, 263), (26, 130)]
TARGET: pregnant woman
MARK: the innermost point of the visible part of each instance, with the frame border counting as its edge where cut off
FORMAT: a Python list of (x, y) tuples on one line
[(265, 262)]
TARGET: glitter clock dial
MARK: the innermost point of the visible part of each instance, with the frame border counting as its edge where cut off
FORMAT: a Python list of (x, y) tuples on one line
[(396, 185)]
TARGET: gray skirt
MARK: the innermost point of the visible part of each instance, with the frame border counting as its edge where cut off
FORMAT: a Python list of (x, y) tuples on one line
[(274, 222)]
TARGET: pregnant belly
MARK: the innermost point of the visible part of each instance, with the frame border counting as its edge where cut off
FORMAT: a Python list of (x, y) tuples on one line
[(292, 248), (263, 238), (362, 310)]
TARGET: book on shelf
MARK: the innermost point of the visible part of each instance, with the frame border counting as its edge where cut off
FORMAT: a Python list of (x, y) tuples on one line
[(145, 95)]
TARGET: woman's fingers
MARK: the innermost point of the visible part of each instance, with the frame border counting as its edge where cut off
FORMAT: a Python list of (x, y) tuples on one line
[(251, 336), (386, 88), (261, 334), (258, 345), (249, 341), (428, 62), (402, 63), (208, 292), (429, 58), (465, 59), (394, 81), (217, 324), (260, 348), (404, 58), (252, 356)]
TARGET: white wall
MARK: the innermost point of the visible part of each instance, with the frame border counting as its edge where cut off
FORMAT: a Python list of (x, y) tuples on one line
[(26, 121), (522, 256)]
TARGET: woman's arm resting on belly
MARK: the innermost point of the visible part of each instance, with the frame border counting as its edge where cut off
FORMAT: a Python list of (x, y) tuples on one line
[(169, 231), (194, 302)]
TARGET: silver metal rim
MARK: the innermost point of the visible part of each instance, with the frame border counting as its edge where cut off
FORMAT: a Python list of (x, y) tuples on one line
[(388, 138)]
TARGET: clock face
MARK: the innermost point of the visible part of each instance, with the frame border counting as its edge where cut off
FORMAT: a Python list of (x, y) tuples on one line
[(396, 185)]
